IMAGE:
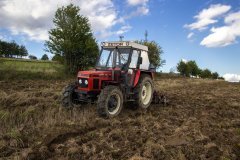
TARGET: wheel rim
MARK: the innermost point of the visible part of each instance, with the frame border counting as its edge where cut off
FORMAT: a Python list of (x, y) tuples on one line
[(146, 93), (113, 104)]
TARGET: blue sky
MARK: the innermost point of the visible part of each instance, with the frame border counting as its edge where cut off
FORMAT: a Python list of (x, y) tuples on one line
[(205, 31)]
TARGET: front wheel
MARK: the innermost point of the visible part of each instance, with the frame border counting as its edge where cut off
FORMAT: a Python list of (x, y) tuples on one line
[(110, 102), (70, 97)]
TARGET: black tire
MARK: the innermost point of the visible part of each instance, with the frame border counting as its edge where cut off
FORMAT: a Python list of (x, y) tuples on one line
[(105, 107), (69, 96), (144, 79)]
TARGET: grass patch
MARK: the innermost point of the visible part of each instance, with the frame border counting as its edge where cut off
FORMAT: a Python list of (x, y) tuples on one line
[(11, 69), (16, 136)]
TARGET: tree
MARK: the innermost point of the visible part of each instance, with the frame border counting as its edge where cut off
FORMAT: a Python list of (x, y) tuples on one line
[(154, 51), (32, 57), (23, 51), (5, 48), (206, 73), (183, 68), (215, 75), (45, 57), (193, 68), (72, 39), (14, 50)]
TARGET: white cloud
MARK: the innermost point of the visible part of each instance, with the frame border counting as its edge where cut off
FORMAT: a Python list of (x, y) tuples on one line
[(123, 30), (190, 35), (184, 60), (142, 8), (222, 36), (119, 32), (225, 35), (33, 18), (208, 16), (136, 2), (232, 77)]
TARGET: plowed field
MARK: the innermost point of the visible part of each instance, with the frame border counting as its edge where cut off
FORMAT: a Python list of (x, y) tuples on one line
[(201, 121)]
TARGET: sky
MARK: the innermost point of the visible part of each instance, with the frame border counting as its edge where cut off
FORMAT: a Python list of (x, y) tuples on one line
[(207, 31)]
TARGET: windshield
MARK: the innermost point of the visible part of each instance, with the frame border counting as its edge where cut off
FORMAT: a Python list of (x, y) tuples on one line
[(107, 55)]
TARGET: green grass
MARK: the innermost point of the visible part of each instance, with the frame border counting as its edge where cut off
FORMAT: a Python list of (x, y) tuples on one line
[(30, 69)]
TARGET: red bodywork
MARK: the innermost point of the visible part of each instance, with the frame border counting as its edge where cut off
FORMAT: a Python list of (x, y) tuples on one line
[(106, 76)]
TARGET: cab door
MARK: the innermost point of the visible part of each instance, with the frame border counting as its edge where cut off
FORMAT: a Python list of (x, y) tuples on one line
[(132, 70)]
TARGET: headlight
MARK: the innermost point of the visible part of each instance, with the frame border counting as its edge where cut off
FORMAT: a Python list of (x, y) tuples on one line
[(86, 82), (80, 81)]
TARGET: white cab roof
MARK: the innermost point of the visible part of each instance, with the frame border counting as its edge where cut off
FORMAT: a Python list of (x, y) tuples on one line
[(124, 44)]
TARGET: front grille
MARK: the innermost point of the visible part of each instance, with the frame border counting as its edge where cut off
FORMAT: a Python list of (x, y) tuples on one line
[(83, 84), (95, 83)]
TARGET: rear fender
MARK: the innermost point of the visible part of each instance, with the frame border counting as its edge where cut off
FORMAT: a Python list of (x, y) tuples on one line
[(138, 75)]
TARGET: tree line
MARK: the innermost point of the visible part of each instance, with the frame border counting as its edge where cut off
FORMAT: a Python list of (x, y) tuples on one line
[(12, 49), (190, 68)]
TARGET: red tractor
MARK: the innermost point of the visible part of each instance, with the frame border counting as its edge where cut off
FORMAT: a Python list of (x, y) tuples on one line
[(123, 73)]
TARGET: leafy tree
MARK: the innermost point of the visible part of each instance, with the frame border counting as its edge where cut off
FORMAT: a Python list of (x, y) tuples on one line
[(183, 68), (32, 57), (13, 49), (5, 48), (206, 73), (193, 68), (215, 75), (45, 57), (23, 51), (72, 39), (154, 51)]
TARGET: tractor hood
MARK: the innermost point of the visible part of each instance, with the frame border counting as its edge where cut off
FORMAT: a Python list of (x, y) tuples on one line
[(94, 73)]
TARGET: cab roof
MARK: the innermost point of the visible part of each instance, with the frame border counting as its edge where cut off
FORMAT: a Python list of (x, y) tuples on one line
[(124, 44)]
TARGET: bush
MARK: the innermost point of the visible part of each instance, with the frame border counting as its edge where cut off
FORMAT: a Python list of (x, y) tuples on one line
[(206, 73), (32, 57), (45, 57)]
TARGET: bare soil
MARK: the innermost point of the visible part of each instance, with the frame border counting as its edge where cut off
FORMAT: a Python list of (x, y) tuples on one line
[(201, 121)]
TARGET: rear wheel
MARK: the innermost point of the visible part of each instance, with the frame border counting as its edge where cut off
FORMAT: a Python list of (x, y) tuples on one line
[(144, 91), (110, 102), (70, 97)]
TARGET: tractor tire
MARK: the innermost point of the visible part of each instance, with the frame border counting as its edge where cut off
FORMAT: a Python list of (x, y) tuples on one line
[(69, 96), (144, 91), (110, 102)]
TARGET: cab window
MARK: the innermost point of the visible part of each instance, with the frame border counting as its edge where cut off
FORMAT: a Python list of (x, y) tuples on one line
[(134, 60)]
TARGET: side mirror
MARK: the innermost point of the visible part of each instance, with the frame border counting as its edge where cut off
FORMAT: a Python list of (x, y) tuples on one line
[(140, 60)]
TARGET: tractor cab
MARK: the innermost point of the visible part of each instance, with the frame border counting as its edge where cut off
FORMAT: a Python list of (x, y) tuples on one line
[(122, 73), (123, 55)]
